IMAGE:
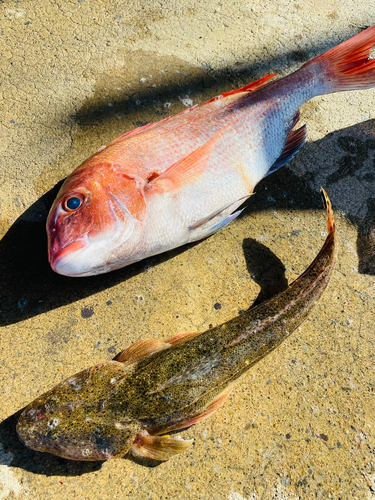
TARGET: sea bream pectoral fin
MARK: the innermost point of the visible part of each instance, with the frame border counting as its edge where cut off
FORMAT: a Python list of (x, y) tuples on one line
[(202, 229), (185, 170)]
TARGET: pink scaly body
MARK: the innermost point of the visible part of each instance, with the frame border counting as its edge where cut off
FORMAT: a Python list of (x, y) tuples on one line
[(178, 180)]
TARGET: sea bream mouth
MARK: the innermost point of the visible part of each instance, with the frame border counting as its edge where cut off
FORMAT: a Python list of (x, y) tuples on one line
[(59, 261), (83, 257)]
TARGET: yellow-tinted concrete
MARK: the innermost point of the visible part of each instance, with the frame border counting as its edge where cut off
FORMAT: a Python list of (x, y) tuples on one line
[(76, 74)]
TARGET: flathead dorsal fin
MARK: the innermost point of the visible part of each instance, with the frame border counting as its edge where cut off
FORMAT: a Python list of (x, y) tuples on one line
[(140, 350)]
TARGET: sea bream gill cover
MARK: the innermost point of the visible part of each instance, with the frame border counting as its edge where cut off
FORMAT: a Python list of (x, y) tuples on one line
[(181, 179), (153, 387)]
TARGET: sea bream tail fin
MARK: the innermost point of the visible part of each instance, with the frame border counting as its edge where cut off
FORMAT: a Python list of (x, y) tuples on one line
[(347, 66)]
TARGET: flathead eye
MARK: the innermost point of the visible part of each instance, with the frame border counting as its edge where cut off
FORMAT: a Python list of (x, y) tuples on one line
[(72, 203)]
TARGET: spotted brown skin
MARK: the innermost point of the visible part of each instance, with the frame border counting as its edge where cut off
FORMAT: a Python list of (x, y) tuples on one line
[(156, 387)]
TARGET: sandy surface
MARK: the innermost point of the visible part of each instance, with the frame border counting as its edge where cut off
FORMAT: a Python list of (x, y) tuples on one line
[(76, 74)]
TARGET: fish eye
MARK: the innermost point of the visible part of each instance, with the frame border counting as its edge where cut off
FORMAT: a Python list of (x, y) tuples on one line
[(72, 203)]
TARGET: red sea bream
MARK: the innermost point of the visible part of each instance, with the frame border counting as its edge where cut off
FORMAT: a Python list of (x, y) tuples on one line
[(181, 179)]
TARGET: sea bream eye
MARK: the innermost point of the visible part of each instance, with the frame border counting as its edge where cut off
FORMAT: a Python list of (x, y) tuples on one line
[(72, 203)]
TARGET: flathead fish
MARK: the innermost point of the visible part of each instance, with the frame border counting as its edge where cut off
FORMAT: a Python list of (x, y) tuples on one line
[(181, 179), (153, 388)]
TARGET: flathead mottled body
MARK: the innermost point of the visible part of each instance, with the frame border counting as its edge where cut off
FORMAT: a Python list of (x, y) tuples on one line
[(183, 178), (156, 387)]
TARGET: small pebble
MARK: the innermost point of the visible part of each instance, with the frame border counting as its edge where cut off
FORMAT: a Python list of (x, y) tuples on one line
[(87, 312), (285, 481)]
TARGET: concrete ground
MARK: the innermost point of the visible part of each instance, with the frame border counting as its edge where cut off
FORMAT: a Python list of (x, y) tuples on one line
[(76, 74)]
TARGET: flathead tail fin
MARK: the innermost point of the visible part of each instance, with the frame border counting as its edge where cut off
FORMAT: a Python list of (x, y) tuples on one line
[(327, 202), (348, 66)]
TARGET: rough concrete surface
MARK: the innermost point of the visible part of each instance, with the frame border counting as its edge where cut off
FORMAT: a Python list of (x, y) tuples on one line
[(76, 74)]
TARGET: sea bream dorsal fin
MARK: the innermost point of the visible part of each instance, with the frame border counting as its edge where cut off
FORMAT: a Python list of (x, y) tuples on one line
[(133, 132), (250, 87)]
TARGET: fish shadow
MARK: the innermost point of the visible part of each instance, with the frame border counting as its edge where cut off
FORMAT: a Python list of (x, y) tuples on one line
[(366, 241), (265, 268), (30, 287), (192, 81)]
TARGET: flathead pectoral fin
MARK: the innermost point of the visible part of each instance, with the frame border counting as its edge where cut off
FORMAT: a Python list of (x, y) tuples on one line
[(159, 447), (181, 337), (140, 350), (207, 412)]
